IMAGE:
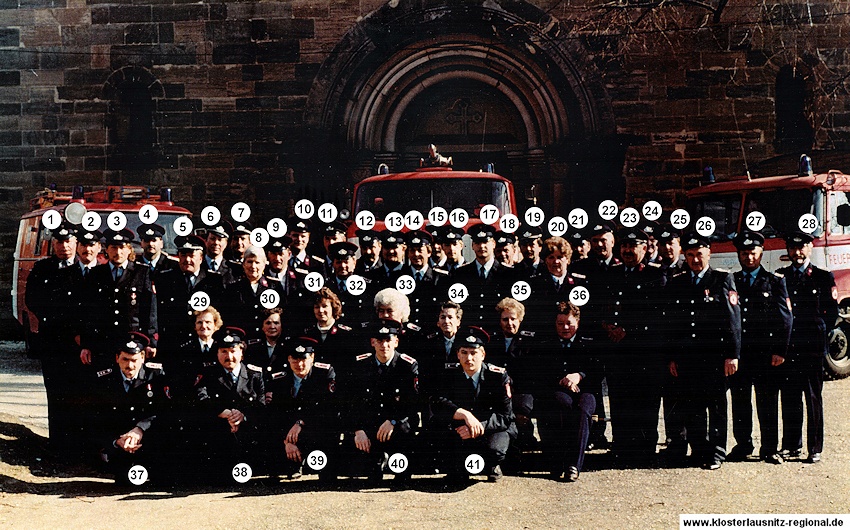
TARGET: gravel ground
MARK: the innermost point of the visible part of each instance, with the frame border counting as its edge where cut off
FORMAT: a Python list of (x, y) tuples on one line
[(36, 491)]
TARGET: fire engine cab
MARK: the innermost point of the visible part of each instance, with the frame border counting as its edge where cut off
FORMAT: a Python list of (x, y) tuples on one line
[(783, 200), (34, 239)]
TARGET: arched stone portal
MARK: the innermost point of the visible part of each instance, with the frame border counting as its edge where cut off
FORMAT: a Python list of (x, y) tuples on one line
[(490, 81)]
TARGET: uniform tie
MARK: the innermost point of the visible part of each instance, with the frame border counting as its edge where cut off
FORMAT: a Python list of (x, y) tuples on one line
[(748, 277), (116, 273), (382, 368), (232, 378), (190, 280), (694, 279), (213, 265), (206, 348), (419, 276), (127, 384), (482, 273)]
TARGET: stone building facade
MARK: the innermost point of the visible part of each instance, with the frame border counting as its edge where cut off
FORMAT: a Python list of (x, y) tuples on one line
[(267, 101)]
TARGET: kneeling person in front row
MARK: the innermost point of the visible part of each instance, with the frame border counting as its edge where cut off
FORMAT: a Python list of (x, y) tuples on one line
[(472, 409), (303, 414), (384, 399), (133, 403)]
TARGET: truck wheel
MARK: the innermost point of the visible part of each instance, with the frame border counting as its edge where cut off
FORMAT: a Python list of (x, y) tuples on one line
[(838, 360)]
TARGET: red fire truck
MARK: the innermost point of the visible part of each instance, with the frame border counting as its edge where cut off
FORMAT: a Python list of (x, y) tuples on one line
[(783, 200), (34, 240)]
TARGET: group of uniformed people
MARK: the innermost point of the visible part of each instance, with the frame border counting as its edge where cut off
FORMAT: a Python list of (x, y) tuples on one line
[(367, 372)]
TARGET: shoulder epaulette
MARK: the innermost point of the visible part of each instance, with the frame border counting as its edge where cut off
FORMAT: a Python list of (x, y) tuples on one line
[(497, 369), (364, 325), (104, 372), (586, 339), (343, 327), (579, 276), (431, 336), (414, 327), (302, 271), (153, 366), (407, 358), (251, 342), (451, 366), (278, 375), (718, 269), (440, 271), (526, 333), (616, 265), (254, 367), (317, 258), (778, 274), (653, 264), (679, 274), (207, 364), (323, 366), (363, 356)]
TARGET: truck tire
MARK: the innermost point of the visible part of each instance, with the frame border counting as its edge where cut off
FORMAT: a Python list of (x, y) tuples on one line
[(838, 360)]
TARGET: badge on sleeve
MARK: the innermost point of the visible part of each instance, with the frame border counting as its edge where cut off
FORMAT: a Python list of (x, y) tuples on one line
[(788, 303), (834, 292), (733, 297), (508, 390)]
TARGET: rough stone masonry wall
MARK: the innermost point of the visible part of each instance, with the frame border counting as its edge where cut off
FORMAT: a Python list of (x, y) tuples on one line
[(232, 80)]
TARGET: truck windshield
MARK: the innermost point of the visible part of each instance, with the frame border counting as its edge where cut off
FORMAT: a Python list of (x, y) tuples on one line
[(401, 196), (782, 209)]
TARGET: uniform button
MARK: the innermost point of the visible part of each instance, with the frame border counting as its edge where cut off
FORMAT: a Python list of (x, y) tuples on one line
[(693, 335), (115, 301), (692, 313), (693, 324), (116, 311)]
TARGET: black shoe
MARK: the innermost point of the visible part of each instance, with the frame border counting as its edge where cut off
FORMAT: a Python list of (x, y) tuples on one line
[(572, 474), (791, 453), (712, 465), (739, 453), (775, 458), (814, 458), (495, 474), (556, 474), (295, 475)]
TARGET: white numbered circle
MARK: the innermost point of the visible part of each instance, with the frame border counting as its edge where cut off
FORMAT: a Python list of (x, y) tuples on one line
[(458, 293), (199, 301), (629, 217), (365, 220), (394, 221), (314, 281), (652, 210), (210, 215), (241, 472), (705, 226), (304, 209), (116, 221), (397, 463), (557, 226), (51, 219), (608, 210), (808, 223), (413, 220), (458, 218), (92, 221), (328, 213), (534, 216), (579, 295), (474, 464), (509, 223), (489, 214), (137, 475), (355, 284), (405, 284), (259, 237), (317, 460), (240, 212), (438, 216), (521, 290), (755, 221), (276, 227), (182, 226), (148, 214), (578, 218), (269, 298), (680, 219)]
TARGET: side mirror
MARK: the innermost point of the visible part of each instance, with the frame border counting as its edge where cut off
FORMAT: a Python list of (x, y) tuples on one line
[(842, 214)]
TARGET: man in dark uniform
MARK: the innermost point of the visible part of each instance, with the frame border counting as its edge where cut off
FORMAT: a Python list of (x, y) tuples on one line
[(436, 352), (472, 409), (175, 288), (452, 243), (705, 325), (229, 402), (153, 255), (393, 250), (814, 301), (431, 284), (122, 301), (48, 297), (215, 244), (384, 400), (579, 243), (239, 242), (370, 252), (601, 255), (652, 230), (132, 405), (507, 252), (301, 260), (332, 233), (303, 412), (670, 252), (766, 322), (631, 312), (530, 245), (487, 280), (296, 297), (355, 308)]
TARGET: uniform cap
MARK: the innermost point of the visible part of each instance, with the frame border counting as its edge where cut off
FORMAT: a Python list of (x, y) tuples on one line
[(798, 237), (576, 237), (391, 239), (336, 227), (367, 237), (298, 225), (222, 229), (418, 238), (480, 233), (342, 250), (650, 228), (667, 233), (227, 337), (135, 342), (452, 234), (530, 235), (748, 240), (124, 236), (601, 227), (278, 244), (301, 347), (384, 328), (150, 232), (188, 243), (242, 228), (632, 235), (695, 240), (503, 238), (89, 237), (472, 337)]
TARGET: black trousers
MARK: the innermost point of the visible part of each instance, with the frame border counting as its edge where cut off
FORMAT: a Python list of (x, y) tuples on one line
[(767, 382), (635, 398), (741, 390), (564, 425), (66, 382), (703, 401), (803, 378), (453, 450)]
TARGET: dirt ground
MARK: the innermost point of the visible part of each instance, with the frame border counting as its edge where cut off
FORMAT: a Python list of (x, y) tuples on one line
[(37, 491)]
